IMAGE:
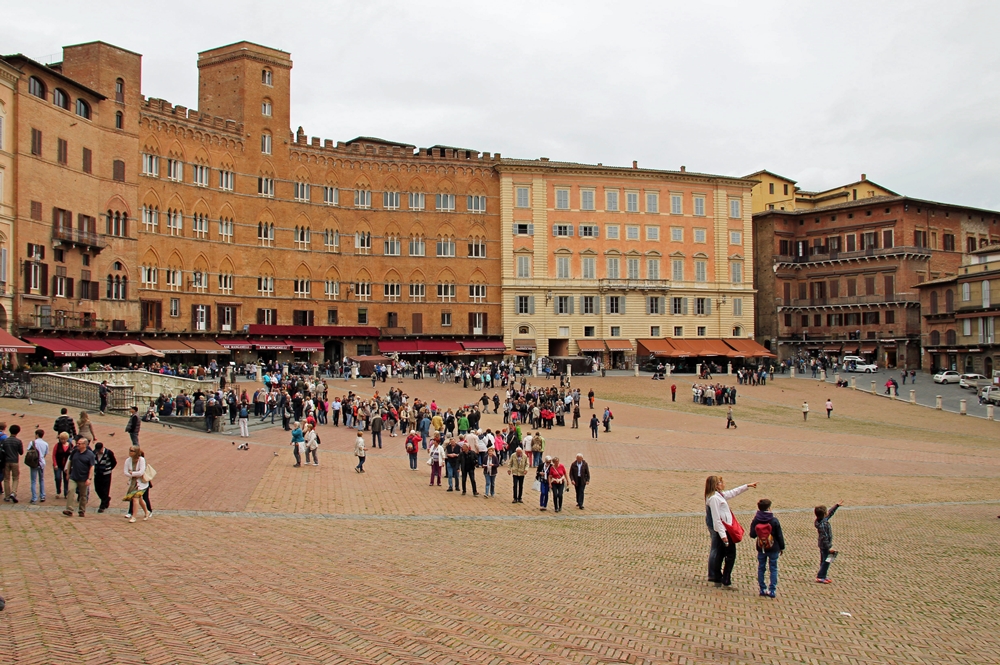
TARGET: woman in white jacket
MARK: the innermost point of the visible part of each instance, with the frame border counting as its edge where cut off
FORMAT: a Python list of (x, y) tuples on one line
[(723, 549), (135, 469)]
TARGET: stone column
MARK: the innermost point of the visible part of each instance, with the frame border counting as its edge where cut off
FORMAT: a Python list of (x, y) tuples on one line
[(636, 369), (792, 371), (963, 407), (854, 383), (730, 371), (874, 390), (913, 397), (937, 402), (989, 412), (822, 375)]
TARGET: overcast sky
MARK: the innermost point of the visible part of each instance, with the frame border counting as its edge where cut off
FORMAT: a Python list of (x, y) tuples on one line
[(907, 92)]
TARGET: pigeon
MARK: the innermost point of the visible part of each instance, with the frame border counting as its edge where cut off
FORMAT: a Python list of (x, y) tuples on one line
[(276, 454), (112, 434), (21, 416), (637, 436), (170, 426), (233, 442)]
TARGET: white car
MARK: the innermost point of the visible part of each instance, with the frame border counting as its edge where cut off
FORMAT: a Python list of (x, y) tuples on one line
[(972, 381), (948, 376), (866, 367)]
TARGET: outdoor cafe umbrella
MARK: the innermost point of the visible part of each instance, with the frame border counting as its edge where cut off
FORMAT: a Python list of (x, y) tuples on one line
[(128, 349)]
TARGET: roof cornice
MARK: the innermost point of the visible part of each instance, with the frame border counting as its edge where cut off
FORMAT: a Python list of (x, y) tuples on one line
[(539, 167)]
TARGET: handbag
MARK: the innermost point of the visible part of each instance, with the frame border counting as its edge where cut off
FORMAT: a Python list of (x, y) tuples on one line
[(537, 486), (734, 531), (149, 473)]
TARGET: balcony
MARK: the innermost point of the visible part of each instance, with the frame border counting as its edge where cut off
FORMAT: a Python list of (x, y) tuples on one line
[(822, 255), (633, 284), (61, 320), (75, 237), (852, 301)]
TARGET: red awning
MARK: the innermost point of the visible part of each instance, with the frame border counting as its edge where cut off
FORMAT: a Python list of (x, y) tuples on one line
[(60, 348), (206, 346), (88, 345), (749, 348), (235, 344), (591, 345), (485, 345), (437, 346), (618, 344), (683, 348), (403, 346), (305, 345), (716, 347), (172, 346), (11, 344), (525, 345), (271, 344), (660, 348)]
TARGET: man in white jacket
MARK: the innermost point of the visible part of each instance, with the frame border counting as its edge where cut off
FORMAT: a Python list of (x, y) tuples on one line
[(723, 547)]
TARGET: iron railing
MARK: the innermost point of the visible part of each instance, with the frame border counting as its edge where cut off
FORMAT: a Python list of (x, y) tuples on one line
[(77, 392)]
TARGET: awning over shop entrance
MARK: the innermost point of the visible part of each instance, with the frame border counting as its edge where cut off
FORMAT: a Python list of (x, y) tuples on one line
[(11, 344), (591, 345), (660, 348), (271, 344), (167, 345), (60, 348), (235, 344), (400, 346), (749, 348), (718, 348), (304, 345), (618, 345), (484, 346), (206, 346), (525, 345)]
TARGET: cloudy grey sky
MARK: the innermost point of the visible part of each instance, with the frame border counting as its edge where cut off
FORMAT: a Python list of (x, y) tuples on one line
[(907, 92)]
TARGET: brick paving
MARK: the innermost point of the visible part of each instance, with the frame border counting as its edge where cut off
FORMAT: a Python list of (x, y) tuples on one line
[(248, 560)]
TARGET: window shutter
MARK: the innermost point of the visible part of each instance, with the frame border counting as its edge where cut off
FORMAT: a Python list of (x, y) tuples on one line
[(41, 255), (572, 299), (570, 230), (531, 304), (472, 322), (555, 305), (597, 305), (649, 301), (684, 306), (554, 227), (608, 306), (54, 285), (194, 317), (124, 291), (69, 287), (597, 231), (260, 317), (219, 315), (531, 229), (485, 327), (663, 305), (159, 315), (95, 291), (621, 305), (513, 229), (44, 281), (208, 318), (27, 277), (708, 305)]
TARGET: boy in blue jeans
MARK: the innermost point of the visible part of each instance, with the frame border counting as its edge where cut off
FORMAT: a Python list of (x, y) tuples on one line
[(825, 532), (766, 528)]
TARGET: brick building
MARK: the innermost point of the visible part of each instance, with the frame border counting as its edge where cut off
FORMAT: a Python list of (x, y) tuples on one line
[(191, 229), (843, 279), (597, 258), (960, 315)]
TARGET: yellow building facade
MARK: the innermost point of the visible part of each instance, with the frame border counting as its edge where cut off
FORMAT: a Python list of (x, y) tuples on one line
[(776, 192), (596, 258)]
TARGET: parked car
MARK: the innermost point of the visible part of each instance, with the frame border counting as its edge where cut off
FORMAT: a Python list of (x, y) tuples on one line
[(973, 381), (947, 376), (990, 394)]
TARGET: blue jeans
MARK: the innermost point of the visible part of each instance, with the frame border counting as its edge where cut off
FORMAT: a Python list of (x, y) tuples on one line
[(490, 485), (38, 476), (765, 559), (62, 480), (451, 471), (377, 436), (413, 460), (824, 565), (543, 497)]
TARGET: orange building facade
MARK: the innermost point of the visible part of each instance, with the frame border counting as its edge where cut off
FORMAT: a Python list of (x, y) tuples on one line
[(598, 258)]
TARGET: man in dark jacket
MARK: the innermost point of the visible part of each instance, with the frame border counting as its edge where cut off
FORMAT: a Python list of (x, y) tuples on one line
[(64, 423), (468, 459), (103, 391), (770, 544), (12, 451), (377, 425), (579, 475), (105, 463), (134, 422), (81, 472)]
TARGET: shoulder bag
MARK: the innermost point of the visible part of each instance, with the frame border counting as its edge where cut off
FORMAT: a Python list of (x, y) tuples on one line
[(150, 473)]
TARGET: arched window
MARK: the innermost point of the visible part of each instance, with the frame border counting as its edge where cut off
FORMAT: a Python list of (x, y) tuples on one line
[(36, 87), (60, 98), (119, 120), (949, 338), (117, 287), (949, 301), (935, 338), (934, 302), (266, 77), (83, 109), (737, 331), (120, 91)]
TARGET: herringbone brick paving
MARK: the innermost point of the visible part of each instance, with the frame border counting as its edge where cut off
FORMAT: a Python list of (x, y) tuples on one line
[(407, 573)]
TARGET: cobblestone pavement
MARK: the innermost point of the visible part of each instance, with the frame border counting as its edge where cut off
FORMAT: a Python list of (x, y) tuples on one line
[(249, 560)]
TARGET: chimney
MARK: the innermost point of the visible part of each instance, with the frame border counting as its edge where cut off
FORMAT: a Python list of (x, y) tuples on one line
[(683, 169), (864, 177), (544, 159), (635, 164)]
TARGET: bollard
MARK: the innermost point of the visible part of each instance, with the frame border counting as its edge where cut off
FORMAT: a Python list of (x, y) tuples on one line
[(913, 397), (989, 412), (793, 372), (730, 371), (854, 383), (874, 390), (534, 370), (569, 370), (637, 369), (937, 402), (962, 407), (836, 377), (697, 370), (822, 375), (670, 368), (893, 396)]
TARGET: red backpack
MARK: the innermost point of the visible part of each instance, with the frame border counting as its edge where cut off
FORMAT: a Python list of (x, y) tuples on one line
[(765, 537)]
